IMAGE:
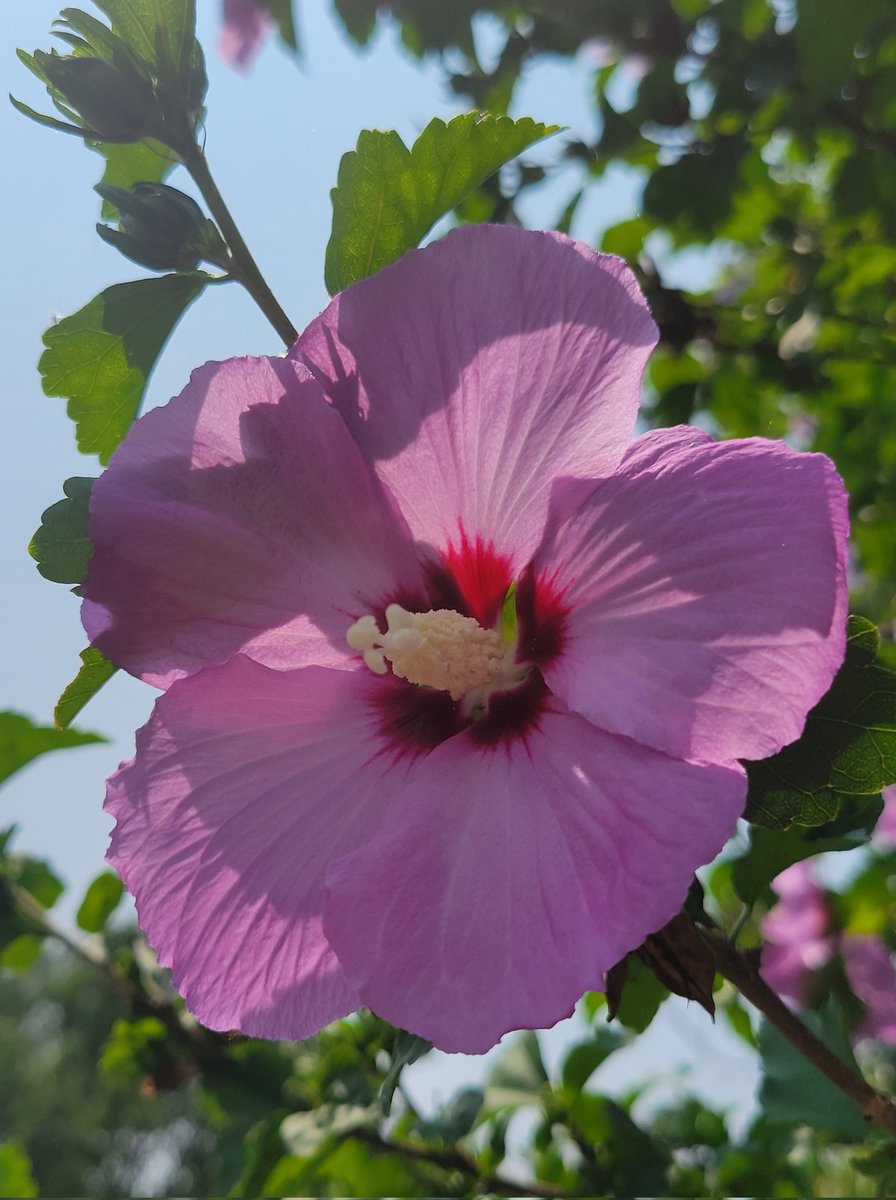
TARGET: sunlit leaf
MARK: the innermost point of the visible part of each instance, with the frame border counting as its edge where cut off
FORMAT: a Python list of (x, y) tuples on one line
[(387, 197)]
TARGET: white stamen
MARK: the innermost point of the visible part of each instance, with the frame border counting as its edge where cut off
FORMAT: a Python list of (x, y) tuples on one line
[(439, 649)]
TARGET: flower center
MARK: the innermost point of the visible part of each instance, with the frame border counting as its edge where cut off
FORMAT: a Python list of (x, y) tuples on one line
[(438, 649)]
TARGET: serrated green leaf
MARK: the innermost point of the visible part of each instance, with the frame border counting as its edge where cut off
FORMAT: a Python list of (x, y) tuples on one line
[(21, 741), (795, 1091), (100, 358), (387, 197), (100, 901), (95, 671), (848, 747), (61, 546)]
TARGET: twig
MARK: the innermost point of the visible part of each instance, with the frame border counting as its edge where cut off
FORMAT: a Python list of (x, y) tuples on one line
[(742, 969), (244, 267), (458, 1160)]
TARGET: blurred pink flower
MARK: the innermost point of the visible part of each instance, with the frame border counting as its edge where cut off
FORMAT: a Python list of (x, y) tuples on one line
[(870, 971), (885, 830), (367, 785), (798, 943), (795, 931), (245, 24)]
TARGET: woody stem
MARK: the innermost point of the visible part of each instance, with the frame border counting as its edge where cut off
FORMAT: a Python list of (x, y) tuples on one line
[(742, 969)]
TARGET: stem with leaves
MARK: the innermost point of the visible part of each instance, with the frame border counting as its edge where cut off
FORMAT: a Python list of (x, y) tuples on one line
[(741, 968)]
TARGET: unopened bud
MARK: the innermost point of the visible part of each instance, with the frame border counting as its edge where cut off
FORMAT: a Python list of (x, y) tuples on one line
[(115, 101)]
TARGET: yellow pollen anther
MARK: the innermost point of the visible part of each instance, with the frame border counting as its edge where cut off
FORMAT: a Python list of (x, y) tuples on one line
[(438, 649)]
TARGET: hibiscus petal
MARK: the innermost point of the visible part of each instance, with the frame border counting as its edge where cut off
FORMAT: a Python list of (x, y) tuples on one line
[(246, 781), (239, 517), (705, 595), (506, 880), (475, 371)]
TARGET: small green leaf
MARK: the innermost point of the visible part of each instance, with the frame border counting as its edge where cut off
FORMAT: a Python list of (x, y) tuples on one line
[(282, 14), (642, 995), (61, 546), (100, 358), (100, 901), (21, 741), (18, 955), (519, 1076), (406, 1049), (387, 197), (15, 1172), (95, 671), (39, 881), (848, 747), (794, 1090), (584, 1058)]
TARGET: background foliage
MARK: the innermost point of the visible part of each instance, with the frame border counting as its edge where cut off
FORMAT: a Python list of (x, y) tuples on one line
[(760, 136)]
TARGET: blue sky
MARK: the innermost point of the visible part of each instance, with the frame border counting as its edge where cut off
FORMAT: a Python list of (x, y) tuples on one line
[(274, 140)]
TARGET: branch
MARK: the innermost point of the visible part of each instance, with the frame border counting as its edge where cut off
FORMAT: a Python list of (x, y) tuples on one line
[(742, 969), (458, 1160), (243, 266)]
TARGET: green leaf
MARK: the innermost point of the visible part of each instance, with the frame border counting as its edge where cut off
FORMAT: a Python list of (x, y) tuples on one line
[(281, 11), (100, 358), (826, 37), (794, 1090), (100, 901), (21, 741), (36, 877), (848, 747), (15, 1172), (773, 850), (584, 1058), (642, 995), (387, 197), (406, 1049), (61, 546), (519, 1076), (95, 671), (18, 955), (130, 163)]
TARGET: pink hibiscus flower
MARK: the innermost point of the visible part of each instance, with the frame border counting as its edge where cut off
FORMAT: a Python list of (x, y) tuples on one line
[(245, 24), (458, 674)]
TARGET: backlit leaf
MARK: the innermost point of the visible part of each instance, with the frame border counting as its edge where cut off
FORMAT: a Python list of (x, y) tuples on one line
[(95, 671), (387, 197), (21, 741), (100, 357)]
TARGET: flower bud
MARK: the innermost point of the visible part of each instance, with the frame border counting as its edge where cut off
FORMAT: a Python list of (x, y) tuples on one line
[(161, 227), (115, 101)]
